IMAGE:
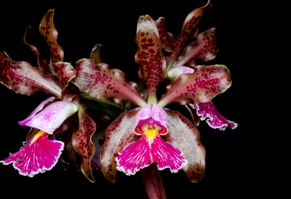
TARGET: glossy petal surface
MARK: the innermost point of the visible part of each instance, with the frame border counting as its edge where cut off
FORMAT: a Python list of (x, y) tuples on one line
[(25, 79), (201, 86), (185, 137), (213, 118), (82, 142), (37, 156), (50, 118), (101, 83)]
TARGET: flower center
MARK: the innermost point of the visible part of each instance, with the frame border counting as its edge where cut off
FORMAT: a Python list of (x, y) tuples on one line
[(151, 134), (37, 135)]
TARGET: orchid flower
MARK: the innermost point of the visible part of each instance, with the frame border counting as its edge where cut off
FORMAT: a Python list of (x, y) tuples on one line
[(203, 49), (151, 133), (41, 153), (55, 114)]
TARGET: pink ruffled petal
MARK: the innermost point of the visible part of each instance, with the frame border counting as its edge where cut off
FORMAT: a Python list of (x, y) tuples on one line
[(134, 157), (50, 118), (214, 118), (146, 151), (166, 156), (37, 156)]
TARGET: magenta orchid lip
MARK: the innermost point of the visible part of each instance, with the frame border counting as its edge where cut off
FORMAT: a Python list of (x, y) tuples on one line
[(134, 129)]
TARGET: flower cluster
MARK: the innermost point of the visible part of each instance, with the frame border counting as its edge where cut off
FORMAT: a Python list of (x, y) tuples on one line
[(138, 128)]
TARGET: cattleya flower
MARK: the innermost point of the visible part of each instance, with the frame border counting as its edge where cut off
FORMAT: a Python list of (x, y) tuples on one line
[(144, 138), (151, 133), (41, 153), (54, 115)]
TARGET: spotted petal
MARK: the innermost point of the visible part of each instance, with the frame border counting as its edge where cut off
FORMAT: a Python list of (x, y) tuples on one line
[(185, 137), (117, 136), (214, 118), (25, 79), (42, 63), (149, 55), (204, 49), (51, 117), (66, 73), (50, 33), (82, 142), (165, 37), (100, 82), (189, 29), (201, 86), (37, 156)]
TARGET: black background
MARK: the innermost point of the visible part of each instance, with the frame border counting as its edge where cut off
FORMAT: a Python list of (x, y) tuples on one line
[(80, 27)]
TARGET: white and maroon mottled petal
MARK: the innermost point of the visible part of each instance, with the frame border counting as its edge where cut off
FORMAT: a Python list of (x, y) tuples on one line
[(144, 152), (201, 86), (174, 72), (214, 118), (185, 137), (100, 82), (50, 118), (118, 135), (37, 156), (23, 78)]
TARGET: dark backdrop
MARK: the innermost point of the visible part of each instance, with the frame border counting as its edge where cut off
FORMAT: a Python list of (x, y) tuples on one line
[(113, 25)]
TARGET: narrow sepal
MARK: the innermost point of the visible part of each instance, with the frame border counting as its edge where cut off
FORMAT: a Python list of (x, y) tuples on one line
[(42, 63), (165, 37), (82, 142), (65, 74), (204, 49), (189, 29), (149, 55), (50, 33)]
